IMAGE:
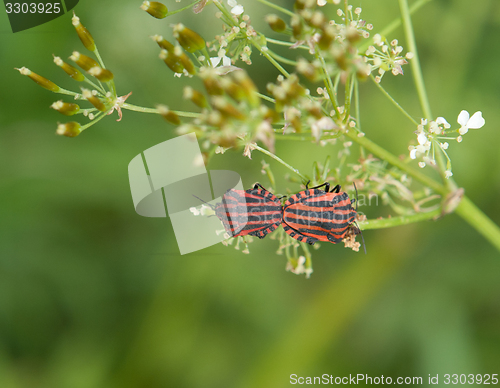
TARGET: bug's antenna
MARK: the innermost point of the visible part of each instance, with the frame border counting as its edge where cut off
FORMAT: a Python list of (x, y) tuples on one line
[(362, 238), (356, 189), (209, 204)]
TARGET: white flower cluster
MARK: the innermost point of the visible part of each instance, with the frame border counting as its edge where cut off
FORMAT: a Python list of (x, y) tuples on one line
[(429, 136)]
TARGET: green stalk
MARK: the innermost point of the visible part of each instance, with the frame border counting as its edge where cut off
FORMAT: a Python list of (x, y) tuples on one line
[(479, 221), (281, 161), (153, 110), (393, 101), (398, 221), (415, 62), (394, 24)]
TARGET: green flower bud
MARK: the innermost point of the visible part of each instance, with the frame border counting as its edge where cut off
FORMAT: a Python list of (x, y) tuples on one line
[(83, 33), (43, 82), (67, 109), (276, 23), (163, 43), (155, 9), (168, 115), (185, 61), (195, 96), (94, 100), (70, 129), (172, 61), (101, 74), (188, 39), (85, 62), (73, 72)]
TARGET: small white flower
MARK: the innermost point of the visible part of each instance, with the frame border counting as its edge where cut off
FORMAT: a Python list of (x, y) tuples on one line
[(321, 3), (421, 164), (422, 139), (474, 122), (444, 145), (323, 124), (448, 174), (236, 9), (442, 121), (226, 61)]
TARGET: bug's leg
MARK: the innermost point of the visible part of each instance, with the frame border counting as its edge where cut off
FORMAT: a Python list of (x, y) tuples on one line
[(298, 236), (326, 184), (336, 189), (258, 185), (358, 231), (307, 184)]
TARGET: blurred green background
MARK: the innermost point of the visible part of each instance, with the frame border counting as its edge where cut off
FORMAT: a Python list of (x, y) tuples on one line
[(93, 295)]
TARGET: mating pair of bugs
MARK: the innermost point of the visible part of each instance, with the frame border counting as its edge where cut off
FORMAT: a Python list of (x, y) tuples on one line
[(308, 216)]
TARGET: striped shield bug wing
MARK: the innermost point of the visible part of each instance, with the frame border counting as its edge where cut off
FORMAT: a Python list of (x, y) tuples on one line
[(254, 212), (264, 211), (232, 212), (318, 215)]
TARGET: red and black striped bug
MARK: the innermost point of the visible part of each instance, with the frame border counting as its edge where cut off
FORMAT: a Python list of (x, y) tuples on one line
[(318, 215), (254, 212)]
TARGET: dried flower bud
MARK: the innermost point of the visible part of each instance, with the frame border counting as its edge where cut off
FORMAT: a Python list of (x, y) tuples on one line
[(276, 23), (353, 35), (188, 39), (155, 9), (85, 62), (94, 100), (67, 109), (83, 33), (326, 38), (43, 82), (297, 27), (195, 96), (163, 43), (249, 89), (101, 74), (168, 115), (211, 81), (307, 69), (172, 61), (73, 72), (70, 129), (226, 109)]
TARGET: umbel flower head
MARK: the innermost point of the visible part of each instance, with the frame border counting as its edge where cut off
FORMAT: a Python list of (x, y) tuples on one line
[(429, 136), (102, 96)]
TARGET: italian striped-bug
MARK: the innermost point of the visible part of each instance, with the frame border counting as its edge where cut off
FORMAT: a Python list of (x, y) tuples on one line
[(254, 212), (318, 215)]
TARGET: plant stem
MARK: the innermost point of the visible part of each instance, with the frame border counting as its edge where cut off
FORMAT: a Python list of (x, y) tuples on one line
[(153, 110), (479, 221), (270, 58), (183, 8), (394, 24), (398, 221), (393, 100), (415, 63), (264, 151), (277, 7), (395, 161)]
